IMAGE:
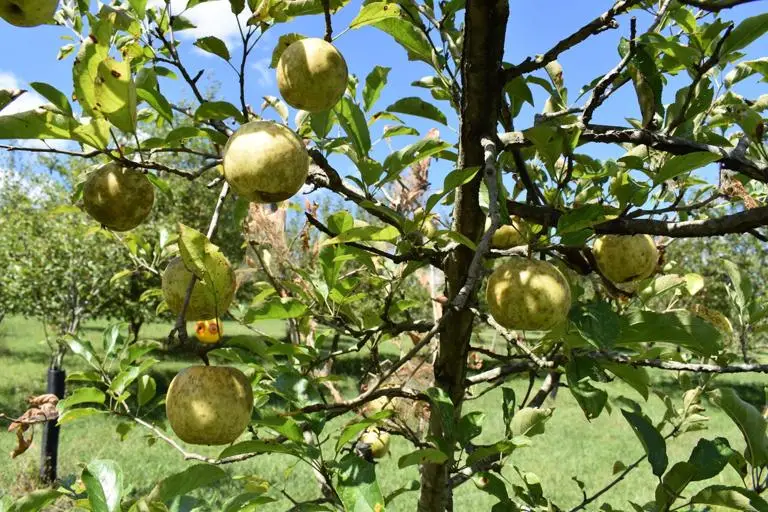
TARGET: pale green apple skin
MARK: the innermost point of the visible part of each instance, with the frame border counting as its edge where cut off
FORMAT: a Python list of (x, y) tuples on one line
[(626, 258), (528, 295), (378, 440), (28, 13), (209, 405), (207, 301), (312, 75), (265, 162), (117, 197)]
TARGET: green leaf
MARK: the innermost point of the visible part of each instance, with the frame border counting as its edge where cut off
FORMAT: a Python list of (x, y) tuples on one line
[(734, 498), (214, 45), (745, 33), (441, 403), (746, 69), (679, 327), (365, 234), (453, 180), (710, 457), (36, 500), (584, 217), (103, 480), (470, 426), (374, 83), (9, 95), (39, 123), (219, 111), (157, 101), (126, 377), (357, 485), (200, 475), (652, 441), (82, 396), (85, 73), (742, 290), (55, 96), (673, 484), (392, 19), (282, 425), (394, 131), (352, 120), (283, 43), (276, 308), (258, 446), (637, 377), (399, 160), (592, 400), (351, 431), (417, 107), (596, 322), (195, 250), (77, 414), (115, 93), (529, 421), (147, 389), (497, 450), (83, 349), (682, 164), (750, 422), (237, 6), (422, 456), (139, 7)]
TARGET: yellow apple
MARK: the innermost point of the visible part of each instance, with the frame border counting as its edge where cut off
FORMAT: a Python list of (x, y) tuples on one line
[(528, 294), (209, 331), (117, 197), (209, 404), (311, 75), (626, 258), (28, 13), (510, 235), (377, 440), (210, 298), (265, 162)]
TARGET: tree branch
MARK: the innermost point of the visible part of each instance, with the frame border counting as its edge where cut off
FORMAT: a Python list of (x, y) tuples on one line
[(671, 144), (713, 5), (603, 22)]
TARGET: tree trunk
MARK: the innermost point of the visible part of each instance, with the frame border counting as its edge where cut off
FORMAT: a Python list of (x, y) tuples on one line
[(484, 32)]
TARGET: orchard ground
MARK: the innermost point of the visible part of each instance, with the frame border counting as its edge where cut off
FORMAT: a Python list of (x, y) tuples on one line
[(570, 447)]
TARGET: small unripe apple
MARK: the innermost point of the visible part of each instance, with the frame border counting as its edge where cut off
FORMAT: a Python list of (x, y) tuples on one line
[(509, 235), (209, 405), (312, 75), (118, 197), (210, 298), (377, 440), (28, 13), (265, 162), (528, 294), (626, 258)]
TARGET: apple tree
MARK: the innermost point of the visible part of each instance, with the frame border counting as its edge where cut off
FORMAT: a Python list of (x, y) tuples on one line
[(557, 248)]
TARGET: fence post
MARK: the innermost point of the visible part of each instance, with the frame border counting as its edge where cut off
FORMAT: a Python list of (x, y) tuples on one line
[(50, 448)]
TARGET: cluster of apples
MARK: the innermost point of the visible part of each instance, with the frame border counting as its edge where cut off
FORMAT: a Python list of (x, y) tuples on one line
[(264, 162), (528, 294)]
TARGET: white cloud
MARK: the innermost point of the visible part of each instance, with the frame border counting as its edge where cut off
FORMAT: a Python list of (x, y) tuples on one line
[(265, 76), (27, 101), (213, 18)]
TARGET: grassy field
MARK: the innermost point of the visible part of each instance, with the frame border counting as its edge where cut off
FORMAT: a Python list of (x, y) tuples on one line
[(571, 446)]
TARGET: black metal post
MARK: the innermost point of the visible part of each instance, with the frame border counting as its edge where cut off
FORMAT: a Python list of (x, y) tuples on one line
[(50, 450)]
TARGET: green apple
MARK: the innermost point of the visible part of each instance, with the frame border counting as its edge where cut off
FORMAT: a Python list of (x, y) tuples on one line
[(626, 258), (210, 298), (311, 75), (510, 235), (28, 13), (209, 404), (377, 440), (118, 197), (265, 162), (528, 294)]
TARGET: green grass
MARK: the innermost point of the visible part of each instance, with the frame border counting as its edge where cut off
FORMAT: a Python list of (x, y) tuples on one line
[(571, 446)]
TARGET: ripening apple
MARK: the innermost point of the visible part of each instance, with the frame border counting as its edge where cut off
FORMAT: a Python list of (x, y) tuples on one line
[(28, 13), (377, 441), (210, 298), (311, 75), (626, 258), (265, 162), (528, 294), (118, 197), (209, 405)]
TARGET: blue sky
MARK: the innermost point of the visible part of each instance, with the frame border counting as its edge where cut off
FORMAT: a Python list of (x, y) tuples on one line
[(29, 55)]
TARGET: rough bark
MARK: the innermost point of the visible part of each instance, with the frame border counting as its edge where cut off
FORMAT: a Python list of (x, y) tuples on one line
[(484, 34)]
